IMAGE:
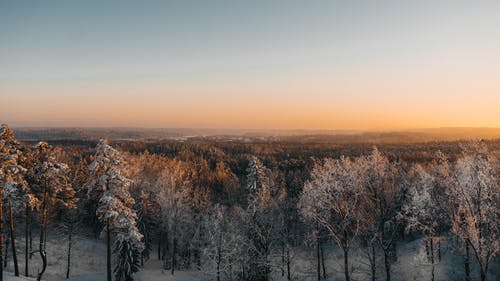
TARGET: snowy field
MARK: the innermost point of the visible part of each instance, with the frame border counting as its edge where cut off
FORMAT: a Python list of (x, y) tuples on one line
[(88, 264)]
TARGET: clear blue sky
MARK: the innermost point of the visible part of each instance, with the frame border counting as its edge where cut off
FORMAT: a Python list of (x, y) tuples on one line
[(250, 64)]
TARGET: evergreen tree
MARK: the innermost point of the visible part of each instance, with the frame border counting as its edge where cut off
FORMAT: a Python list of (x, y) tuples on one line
[(12, 184), (146, 224), (261, 218), (52, 183), (115, 210)]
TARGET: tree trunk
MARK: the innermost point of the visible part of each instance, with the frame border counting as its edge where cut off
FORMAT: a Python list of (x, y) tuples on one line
[(197, 253), (187, 257), (174, 249), (432, 258), (219, 255), (288, 275), (26, 233), (6, 254), (165, 248), (282, 258), (69, 251), (159, 245), (13, 239), (323, 261), (218, 264), (439, 249), (427, 250), (108, 250), (346, 264), (1, 234), (31, 236), (483, 271), (387, 264), (431, 252), (373, 264), (43, 227), (318, 257), (467, 262)]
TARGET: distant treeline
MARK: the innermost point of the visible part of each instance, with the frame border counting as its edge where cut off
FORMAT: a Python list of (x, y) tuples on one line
[(329, 136)]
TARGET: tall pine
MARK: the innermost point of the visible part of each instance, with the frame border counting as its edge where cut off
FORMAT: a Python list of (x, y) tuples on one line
[(115, 210)]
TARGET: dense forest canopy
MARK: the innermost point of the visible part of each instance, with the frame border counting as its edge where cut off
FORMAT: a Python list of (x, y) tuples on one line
[(238, 208)]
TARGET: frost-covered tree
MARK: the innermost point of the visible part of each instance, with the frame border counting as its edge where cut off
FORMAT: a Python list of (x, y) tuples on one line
[(72, 208), (257, 176), (13, 186), (115, 210), (261, 218), (381, 181), (331, 199), (224, 242), (68, 226), (475, 198), (51, 181), (145, 223), (287, 216), (440, 170), (421, 212), (175, 214)]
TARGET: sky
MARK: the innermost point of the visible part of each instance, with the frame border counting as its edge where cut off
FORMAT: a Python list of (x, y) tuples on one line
[(283, 64)]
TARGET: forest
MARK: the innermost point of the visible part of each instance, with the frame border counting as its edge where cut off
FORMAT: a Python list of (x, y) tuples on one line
[(249, 210)]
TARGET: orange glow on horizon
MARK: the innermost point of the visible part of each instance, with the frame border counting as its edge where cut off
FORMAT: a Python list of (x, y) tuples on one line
[(122, 107)]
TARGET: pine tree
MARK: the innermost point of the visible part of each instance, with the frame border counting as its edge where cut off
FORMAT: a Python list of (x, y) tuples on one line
[(145, 224), (51, 179), (115, 210), (12, 183), (261, 218)]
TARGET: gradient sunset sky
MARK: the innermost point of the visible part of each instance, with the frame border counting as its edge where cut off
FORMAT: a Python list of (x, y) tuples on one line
[(250, 64)]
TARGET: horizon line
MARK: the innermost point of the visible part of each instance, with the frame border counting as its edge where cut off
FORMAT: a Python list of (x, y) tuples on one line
[(252, 129)]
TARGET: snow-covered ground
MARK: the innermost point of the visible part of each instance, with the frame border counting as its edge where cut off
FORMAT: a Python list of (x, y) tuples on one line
[(88, 264)]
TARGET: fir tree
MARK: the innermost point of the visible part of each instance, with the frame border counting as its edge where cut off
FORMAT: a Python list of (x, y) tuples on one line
[(115, 210)]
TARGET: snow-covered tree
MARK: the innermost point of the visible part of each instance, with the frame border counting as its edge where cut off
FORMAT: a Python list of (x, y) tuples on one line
[(422, 211), (258, 180), (13, 187), (223, 246), (115, 210), (72, 219), (331, 199), (261, 218), (475, 198), (175, 215), (145, 223), (381, 181), (51, 182)]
